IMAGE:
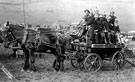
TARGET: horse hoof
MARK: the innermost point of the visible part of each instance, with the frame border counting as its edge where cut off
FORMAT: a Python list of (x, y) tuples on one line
[(61, 69), (31, 71), (55, 71), (22, 70), (59, 72), (28, 71)]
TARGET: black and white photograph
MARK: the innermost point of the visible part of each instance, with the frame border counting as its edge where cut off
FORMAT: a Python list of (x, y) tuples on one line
[(67, 40)]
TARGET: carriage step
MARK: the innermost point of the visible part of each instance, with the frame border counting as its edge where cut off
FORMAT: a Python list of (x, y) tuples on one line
[(14, 48), (98, 45), (109, 59)]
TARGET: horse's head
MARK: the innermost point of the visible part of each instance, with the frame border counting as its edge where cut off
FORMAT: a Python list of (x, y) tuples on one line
[(13, 31)]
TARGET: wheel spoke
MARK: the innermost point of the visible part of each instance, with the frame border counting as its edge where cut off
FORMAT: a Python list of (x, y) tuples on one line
[(97, 64)]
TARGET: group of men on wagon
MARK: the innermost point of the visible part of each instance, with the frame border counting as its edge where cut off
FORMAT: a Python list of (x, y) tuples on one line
[(100, 28)]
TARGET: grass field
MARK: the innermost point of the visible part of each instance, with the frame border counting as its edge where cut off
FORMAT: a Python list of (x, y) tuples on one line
[(45, 72)]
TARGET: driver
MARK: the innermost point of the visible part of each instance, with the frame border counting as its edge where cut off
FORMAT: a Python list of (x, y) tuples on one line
[(86, 21)]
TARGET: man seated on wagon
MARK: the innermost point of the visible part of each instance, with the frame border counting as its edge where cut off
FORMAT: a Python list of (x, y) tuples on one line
[(112, 18), (86, 21), (97, 25), (116, 31), (100, 28), (106, 26)]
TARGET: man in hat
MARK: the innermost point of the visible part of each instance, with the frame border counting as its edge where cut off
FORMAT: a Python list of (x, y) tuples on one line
[(86, 22), (112, 30), (87, 19), (116, 31), (106, 26), (91, 13), (98, 27), (116, 26), (112, 18), (97, 11)]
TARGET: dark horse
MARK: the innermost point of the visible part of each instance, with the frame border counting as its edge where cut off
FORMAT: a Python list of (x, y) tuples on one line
[(30, 43), (41, 41)]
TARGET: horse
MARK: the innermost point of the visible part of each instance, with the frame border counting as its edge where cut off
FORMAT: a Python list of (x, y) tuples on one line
[(41, 41), (12, 36)]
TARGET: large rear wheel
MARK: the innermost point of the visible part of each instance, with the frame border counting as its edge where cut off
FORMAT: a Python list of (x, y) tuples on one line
[(92, 62), (118, 60)]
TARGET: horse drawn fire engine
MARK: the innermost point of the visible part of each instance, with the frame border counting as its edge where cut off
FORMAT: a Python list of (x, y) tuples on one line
[(91, 57)]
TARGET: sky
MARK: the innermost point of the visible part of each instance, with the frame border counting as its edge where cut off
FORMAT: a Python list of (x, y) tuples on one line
[(65, 11)]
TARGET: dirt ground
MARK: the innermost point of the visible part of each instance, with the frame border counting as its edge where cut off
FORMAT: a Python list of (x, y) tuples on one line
[(45, 72)]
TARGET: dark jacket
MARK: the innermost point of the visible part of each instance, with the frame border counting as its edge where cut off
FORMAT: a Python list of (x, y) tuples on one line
[(116, 29), (112, 19), (98, 24), (88, 19), (106, 25)]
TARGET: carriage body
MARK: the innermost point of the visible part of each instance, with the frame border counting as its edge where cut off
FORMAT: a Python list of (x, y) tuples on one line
[(92, 57), (104, 52)]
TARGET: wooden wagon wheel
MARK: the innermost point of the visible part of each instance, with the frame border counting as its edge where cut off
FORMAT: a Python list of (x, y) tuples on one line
[(118, 60), (77, 60), (92, 62), (76, 63)]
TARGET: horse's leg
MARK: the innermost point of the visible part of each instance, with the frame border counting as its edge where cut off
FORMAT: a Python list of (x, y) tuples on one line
[(55, 63), (60, 57), (26, 64), (62, 63), (62, 50), (32, 60)]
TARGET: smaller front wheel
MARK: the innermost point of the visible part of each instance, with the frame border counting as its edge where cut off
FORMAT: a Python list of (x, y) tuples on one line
[(93, 62), (76, 63)]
